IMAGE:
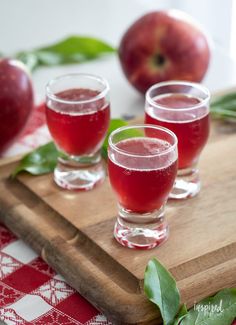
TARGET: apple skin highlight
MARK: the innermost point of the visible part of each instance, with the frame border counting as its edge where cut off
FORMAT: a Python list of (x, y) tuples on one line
[(163, 46)]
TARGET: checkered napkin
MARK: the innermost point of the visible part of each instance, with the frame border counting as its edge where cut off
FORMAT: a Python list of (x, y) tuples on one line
[(30, 291)]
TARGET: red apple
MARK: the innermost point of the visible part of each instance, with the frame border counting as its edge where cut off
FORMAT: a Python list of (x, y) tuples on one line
[(164, 46), (16, 100)]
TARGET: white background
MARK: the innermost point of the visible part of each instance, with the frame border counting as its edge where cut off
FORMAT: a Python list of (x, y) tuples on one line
[(25, 24)]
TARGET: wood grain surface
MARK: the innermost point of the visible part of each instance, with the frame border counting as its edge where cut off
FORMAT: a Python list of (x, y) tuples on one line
[(73, 232)]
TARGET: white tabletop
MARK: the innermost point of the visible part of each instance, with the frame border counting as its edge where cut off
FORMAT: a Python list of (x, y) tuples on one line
[(27, 24)]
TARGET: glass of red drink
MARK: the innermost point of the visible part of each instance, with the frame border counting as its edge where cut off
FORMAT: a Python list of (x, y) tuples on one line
[(78, 115), (183, 108), (142, 167)]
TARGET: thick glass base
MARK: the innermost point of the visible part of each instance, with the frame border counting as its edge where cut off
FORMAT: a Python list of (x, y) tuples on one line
[(187, 184), (79, 173), (141, 231)]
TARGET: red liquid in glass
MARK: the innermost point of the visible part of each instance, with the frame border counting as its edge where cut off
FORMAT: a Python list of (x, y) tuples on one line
[(141, 190), (192, 132), (82, 131)]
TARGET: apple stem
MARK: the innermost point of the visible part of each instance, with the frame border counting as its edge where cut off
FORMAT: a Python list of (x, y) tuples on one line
[(159, 59)]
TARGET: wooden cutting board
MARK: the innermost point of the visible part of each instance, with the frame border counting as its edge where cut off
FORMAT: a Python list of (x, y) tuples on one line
[(73, 232)]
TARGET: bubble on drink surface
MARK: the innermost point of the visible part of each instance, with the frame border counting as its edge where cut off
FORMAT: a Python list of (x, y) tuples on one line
[(151, 147)]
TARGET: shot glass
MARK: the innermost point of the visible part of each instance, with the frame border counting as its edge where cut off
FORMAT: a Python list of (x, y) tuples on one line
[(78, 114), (142, 167), (183, 108)]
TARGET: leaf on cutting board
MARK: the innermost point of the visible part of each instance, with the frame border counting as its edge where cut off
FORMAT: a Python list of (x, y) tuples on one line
[(181, 315), (74, 49), (224, 107), (217, 310), (224, 98), (114, 124), (160, 288), (40, 161)]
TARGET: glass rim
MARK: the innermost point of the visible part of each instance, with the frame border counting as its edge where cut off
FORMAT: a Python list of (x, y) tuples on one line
[(200, 87), (136, 126), (54, 97)]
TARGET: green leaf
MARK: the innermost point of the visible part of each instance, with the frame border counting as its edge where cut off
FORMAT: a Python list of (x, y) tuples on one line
[(44, 159), (224, 107), (229, 105), (181, 314), (217, 310), (223, 113), (160, 288), (86, 46), (29, 59), (114, 124), (74, 49), (40, 161), (224, 99)]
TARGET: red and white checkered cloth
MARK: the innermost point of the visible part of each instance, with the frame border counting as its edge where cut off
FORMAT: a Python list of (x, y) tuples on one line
[(30, 291)]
